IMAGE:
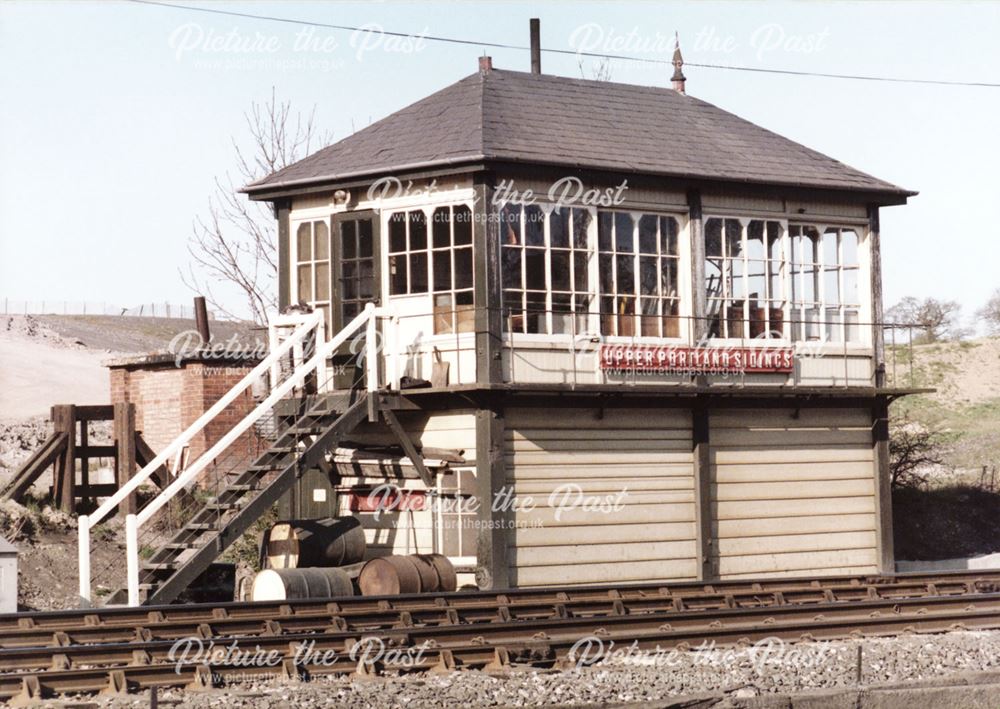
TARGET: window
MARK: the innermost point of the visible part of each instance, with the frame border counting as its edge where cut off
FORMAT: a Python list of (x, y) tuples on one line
[(746, 268), (312, 264), (357, 265), (408, 253), (638, 262), (826, 301), (451, 269), (545, 268)]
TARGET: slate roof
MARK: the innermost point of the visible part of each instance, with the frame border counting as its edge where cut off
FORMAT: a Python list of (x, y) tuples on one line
[(554, 120)]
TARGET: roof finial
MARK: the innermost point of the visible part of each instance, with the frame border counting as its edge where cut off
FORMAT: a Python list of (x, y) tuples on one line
[(678, 78)]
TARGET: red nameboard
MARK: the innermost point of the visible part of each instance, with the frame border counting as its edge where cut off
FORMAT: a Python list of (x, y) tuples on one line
[(697, 360)]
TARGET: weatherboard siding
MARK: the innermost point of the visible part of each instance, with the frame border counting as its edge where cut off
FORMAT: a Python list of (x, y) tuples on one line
[(792, 492)]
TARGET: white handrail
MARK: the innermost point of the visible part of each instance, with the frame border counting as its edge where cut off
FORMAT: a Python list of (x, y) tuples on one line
[(318, 360), (86, 522)]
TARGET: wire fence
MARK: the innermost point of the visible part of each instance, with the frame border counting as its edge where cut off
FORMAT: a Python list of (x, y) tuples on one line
[(70, 307)]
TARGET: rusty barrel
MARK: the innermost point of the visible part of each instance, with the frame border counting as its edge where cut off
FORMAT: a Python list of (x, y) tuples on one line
[(416, 573), (389, 575), (301, 543), (293, 584)]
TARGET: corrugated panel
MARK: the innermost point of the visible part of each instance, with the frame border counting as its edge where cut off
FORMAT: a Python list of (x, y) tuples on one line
[(792, 491), (638, 463)]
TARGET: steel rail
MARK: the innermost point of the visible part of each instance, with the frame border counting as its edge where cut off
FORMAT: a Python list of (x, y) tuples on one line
[(457, 610), (691, 593), (119, 667)]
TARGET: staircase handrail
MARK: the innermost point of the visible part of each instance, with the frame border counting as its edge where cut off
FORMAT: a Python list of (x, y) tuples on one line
[(323, 351), (86, 522)]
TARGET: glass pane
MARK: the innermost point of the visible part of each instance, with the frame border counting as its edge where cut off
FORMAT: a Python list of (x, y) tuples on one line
[(774, 241), (366, 283), (349, 286), (581, 222), (604, 225), (734, 238), (534, 261), (441, 228), (462, 225), (849, 247), (852, 320), (348, 239), (510, 216), (305, 284), (536, 316), (580, 275), (511, 267), (625, 273), (832, 326), (713, 277), (534, 226), (418, 231), (304, 238), (851, 296), (463, 268), (323, 282), (418, 272), (713, 237), (648, 275), (559, 270), (755, 240), (831, 286), (606, 273), (668, 236), (397, 275), (647, 234), (624, 226), (559, 227), (810, 249), (830, 255), (397, 232), (562, 322), (757, 278), (442, 269), (322, 234), (365, 240), (668, 276)]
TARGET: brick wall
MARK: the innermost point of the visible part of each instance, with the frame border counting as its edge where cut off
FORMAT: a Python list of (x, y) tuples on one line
[(169, 398)]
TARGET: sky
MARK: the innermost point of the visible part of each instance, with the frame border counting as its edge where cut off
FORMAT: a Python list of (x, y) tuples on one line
[(117, 117)]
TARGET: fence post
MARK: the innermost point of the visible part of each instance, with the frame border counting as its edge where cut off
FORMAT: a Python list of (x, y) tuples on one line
[(132, 558), (124, 433), (64, 479)]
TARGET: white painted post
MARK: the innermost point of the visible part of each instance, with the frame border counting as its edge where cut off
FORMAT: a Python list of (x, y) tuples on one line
[(132, 558), (392, 357), (83, 558), (371, 349), (272, 345)]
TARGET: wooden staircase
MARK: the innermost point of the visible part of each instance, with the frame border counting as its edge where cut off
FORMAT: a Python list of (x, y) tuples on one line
[(223, 519)]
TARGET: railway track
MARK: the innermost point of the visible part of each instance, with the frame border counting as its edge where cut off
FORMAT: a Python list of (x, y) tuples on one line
[(122, 649)]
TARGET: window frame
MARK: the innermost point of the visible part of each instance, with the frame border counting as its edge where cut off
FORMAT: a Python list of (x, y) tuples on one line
[(593, 313)]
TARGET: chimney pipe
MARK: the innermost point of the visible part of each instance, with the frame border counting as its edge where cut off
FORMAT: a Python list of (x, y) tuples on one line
[(536, 46), (201, 319), (485, 64)]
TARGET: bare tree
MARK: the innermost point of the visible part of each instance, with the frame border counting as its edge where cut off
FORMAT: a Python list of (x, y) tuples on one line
[(936, 319), (233, 246), (913, 450), (599, 71), (990, 313)]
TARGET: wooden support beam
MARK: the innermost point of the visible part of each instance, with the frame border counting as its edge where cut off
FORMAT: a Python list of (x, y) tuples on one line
[(144, 454), (83, 452), (124, 434), (486, 284), (700, 299), (883, 487), (492, 538), (64, 477), (705, 548), (31, 469), (411, 450), (878, 314)]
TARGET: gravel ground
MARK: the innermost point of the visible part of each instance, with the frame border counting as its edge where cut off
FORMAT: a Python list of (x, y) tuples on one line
[(734, 676)]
